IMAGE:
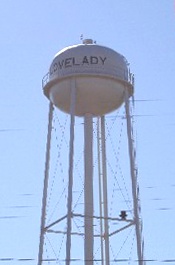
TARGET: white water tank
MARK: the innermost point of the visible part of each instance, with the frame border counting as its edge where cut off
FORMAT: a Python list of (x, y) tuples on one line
[(100, 75)]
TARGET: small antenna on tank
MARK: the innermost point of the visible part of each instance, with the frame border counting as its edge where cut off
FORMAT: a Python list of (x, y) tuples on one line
[(81, 37)]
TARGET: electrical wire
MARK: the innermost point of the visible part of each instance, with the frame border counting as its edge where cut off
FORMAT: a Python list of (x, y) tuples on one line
[(75, 260)]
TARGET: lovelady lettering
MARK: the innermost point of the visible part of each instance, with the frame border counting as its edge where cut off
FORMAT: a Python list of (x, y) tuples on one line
[(73, 62)]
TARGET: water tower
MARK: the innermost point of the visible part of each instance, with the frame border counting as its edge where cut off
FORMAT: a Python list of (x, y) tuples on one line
[(89, 81)]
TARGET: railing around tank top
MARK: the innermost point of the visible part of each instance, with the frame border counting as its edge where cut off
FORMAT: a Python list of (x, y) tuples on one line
[(129, 77)]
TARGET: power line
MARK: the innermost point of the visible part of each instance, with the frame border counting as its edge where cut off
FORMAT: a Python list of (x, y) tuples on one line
[(115, 260)]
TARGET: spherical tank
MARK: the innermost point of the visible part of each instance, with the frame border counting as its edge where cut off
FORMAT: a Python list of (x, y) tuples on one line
[(100, 75)]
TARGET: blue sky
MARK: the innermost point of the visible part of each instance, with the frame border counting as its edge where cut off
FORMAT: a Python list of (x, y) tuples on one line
[(31, 33)]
